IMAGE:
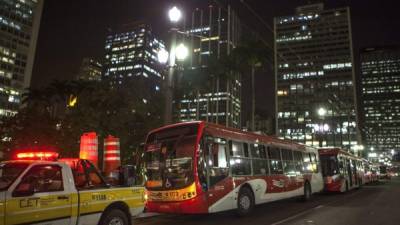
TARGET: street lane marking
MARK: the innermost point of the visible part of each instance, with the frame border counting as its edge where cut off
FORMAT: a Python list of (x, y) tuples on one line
[(313, 208), (297, 215)]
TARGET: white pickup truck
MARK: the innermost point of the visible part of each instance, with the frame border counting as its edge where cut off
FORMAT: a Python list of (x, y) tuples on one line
[(63, 192)]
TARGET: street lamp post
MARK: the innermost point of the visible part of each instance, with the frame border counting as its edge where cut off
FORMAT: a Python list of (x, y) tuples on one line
[(174, 15), (177, 52)]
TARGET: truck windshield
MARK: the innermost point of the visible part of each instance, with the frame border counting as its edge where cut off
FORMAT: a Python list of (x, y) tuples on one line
[(330, 165), (169, 157), (9, 172)]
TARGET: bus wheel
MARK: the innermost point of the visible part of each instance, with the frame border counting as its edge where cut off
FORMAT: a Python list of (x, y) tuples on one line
[(245, 202), (307, 191), (114, 217)]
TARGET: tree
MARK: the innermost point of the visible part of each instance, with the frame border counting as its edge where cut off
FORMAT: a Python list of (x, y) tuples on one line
[(29, 128), (127, 111)]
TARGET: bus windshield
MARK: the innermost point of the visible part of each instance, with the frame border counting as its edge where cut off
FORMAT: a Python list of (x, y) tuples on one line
[(169, 157), (330, 165)]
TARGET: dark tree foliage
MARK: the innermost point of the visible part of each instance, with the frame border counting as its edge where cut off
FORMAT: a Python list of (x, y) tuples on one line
[(126, 111)]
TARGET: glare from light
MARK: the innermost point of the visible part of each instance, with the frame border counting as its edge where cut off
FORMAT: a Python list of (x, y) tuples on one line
[(372, 149), (322, 111), (326, 127), (162, 56), (181, 52), (174, 14)]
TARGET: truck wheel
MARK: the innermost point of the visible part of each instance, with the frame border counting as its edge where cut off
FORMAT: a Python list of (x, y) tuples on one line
[(114, 217), (245, 202)]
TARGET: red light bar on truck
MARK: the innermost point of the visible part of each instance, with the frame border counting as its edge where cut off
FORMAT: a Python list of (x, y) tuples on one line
[(38, 155)]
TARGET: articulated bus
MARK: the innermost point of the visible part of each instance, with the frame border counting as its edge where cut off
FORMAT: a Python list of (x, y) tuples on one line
[(341, 170), (200, 167)]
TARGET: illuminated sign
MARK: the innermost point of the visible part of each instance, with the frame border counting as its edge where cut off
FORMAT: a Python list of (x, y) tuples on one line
[(173, 195)]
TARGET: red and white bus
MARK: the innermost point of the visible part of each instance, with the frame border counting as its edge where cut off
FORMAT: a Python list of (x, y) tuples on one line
[(370, 172), (200, 167), (341, 170)]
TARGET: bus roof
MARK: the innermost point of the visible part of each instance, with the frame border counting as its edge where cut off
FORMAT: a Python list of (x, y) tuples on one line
[(234, 133)]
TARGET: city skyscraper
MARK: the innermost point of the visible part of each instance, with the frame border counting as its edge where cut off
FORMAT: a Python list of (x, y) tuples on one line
[(131, 53), (380, 79), (212, 33), (314, 69), (131, 59), (90, 70), (19, 28)]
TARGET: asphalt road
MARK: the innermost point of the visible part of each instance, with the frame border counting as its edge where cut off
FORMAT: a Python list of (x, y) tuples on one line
[(376, 204)]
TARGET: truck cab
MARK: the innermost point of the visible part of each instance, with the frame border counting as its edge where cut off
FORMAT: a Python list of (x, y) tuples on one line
[(63, 193)]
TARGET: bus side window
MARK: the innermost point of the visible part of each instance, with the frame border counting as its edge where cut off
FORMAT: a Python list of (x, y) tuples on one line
[(298, 160), (288, 164), (307, 162), (275, 160), (239, 161), (259, 159), (314, 163)]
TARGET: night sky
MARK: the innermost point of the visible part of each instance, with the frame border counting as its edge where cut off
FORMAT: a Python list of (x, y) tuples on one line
[(71, 30)]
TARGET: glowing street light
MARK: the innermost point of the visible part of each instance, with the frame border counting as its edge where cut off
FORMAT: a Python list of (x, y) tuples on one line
[(181, 52), (325, 127), (162, 56), (174, 14), (322, 111)]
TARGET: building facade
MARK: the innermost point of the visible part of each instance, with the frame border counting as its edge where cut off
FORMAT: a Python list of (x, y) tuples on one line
[(19, 28), (131, 53), (314, 70), (90, 70), (212, 33), (380, 79)]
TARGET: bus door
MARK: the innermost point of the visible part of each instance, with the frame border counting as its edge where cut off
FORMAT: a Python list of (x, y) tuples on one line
[(349, 172), (216, 151), (355, 172)]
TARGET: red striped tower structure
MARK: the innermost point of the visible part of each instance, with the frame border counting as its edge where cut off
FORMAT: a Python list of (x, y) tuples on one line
[(112, 158), (89, 147)]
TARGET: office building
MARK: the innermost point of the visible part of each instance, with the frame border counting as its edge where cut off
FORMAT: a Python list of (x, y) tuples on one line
[(380, 80), (19, 28), (212, 33), (131, 53), (314, 70), (131, 62), (90, 70)]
